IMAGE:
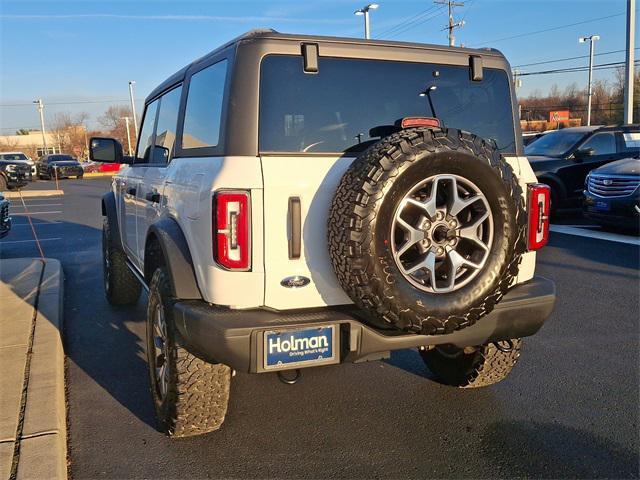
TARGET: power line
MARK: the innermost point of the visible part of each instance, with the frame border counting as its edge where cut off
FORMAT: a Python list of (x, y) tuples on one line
[(409, 27), (602, 66), (550, 29), (78, 102), (405, 21), (570, 58)]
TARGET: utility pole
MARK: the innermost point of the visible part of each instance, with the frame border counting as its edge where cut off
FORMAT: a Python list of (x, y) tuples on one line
[(133, 107), (517, 81), (452, 24), (41, 111), (126, 121), (629, 67), (591, 39), (365, 11)]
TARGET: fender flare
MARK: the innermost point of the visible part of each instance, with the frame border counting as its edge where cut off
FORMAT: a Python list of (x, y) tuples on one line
[(177, 258), (110, 211)]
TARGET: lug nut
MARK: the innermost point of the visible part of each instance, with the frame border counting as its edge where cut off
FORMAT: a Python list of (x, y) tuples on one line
[(453, 224), (440, 250), (426, 225), (439, 215), (452, 242)]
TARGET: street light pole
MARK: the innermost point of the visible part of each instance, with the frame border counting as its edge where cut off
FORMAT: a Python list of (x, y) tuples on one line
[(126, 121), (365, 11), (41, 111), (133, 107), (591, 39), (629, 70)]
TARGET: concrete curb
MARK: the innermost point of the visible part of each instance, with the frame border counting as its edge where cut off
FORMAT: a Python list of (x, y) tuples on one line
[(33, 193), (99, 174), (42, 435)]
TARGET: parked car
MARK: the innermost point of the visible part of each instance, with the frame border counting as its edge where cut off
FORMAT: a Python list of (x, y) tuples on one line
[(612, 194), (530, 137), (5, 219), (13, 174), (20, 157), (60, 165), (563, 158), (284, 213)]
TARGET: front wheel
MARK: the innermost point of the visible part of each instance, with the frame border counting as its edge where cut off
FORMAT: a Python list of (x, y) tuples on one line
[(190, 395), (121, 287), (473, 367)]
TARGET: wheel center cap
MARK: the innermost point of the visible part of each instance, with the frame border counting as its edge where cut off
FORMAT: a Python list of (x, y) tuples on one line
[(439, 234)]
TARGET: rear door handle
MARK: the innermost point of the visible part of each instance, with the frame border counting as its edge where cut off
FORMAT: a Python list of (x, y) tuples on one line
[(153, 197), (295, 224), (131, 191)]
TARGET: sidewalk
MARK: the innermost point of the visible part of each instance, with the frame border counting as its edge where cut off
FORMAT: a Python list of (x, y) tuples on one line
[(33, 435)]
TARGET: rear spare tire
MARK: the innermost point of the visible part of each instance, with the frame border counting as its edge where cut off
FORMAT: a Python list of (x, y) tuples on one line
[(426, 230)]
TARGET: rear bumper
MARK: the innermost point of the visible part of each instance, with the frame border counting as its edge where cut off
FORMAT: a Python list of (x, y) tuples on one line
[(235, 337)]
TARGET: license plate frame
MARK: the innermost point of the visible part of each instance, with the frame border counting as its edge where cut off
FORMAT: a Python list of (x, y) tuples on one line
[(602, 206), (291, 359)]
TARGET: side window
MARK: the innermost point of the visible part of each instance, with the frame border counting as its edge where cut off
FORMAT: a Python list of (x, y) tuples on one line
[(166, 127), (631, 143), (145, 138), (204, 107), (602, 143)]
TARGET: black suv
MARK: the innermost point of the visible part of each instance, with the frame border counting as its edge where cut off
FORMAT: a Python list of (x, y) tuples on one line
[(60, 165), (13, 174), (5, 219), (563, 158)]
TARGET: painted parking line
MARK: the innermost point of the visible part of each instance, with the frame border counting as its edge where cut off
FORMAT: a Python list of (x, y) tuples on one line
[(16, 205), (599, 235), (3, 242), (55, 222), (18, 215)]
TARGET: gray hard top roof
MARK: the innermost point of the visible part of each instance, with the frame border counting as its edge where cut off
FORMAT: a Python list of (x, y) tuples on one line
[(270, 34)]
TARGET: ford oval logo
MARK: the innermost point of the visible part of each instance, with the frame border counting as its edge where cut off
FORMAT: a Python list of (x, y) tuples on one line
[(295, 281), (607, 182)]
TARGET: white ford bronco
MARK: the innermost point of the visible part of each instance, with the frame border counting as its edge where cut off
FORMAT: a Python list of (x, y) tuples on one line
[(299, 201)]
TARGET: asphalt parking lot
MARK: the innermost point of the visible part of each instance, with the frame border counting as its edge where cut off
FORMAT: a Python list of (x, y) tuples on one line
[(570, 409)]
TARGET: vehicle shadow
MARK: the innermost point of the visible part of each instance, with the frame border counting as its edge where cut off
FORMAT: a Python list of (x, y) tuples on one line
[(103, 344), (598, 251), (551, 450)]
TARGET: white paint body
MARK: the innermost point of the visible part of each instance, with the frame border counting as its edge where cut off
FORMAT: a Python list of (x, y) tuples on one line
[(187, 186)]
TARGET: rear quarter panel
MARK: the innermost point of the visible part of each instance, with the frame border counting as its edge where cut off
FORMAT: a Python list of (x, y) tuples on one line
[(188, 193)]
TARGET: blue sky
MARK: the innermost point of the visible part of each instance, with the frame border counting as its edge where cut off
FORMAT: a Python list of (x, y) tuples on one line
[(86, 51)]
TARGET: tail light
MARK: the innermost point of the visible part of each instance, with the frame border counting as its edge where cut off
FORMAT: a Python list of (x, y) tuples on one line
[(539, 196), (232, 248)]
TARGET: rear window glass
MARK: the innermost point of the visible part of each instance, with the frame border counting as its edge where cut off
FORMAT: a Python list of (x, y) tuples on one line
[(336, 109), (13, 156), (554, 144), (60, 158)]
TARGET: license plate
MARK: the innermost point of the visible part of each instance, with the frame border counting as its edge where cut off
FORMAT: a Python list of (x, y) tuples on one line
[(300, 348), (602, 206)]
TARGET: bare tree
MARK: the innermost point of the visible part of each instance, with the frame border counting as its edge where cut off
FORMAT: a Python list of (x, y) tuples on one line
[(70, 131), (113, 122), (606, 109)]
